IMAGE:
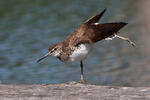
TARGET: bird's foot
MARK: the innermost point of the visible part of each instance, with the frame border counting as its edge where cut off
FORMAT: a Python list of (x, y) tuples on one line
[(82, 81), (126, 39)]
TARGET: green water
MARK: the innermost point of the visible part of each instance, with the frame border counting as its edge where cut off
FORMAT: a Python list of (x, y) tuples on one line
[(29, 27)]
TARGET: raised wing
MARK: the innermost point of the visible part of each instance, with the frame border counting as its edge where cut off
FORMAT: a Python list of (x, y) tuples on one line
[(89, 32), (105, 30), (95, 33), (80, 32), (96, 18)]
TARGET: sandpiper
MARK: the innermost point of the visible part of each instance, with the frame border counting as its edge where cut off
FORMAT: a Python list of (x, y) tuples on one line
[(78, 44)]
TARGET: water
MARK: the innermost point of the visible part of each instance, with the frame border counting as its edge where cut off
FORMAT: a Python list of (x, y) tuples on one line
[(29, 27)]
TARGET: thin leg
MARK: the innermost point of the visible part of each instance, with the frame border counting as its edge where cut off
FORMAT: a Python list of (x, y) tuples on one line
[(82, 77), (126, 39)]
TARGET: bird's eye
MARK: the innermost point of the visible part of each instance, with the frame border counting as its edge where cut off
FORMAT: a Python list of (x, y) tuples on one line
[(55, 49)]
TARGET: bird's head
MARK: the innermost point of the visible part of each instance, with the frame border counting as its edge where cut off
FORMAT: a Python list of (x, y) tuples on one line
[(53, 50)]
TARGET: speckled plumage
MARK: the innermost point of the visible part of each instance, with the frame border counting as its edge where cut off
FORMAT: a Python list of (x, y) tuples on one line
[(77, 45), (89, 33)]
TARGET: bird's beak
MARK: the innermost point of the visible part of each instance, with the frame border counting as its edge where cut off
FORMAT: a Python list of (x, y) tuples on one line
[(44, 57)]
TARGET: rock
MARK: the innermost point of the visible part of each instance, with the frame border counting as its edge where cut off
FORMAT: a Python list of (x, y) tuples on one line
[(72, 91)]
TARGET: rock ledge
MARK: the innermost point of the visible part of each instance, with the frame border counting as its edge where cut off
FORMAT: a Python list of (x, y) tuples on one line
[(72, 91)]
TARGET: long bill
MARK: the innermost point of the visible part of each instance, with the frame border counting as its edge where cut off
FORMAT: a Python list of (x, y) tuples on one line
[(43, 57)]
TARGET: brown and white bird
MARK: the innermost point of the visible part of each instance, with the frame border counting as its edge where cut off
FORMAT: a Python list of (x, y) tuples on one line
[(78, 44)]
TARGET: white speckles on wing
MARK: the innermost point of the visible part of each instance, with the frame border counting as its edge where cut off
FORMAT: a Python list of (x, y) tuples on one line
[(96, 23), (111, 38)]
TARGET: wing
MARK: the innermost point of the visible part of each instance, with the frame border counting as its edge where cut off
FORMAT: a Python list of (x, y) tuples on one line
[(105, 30), (89, 32), (79, 32), (95, 33), (95, 18)]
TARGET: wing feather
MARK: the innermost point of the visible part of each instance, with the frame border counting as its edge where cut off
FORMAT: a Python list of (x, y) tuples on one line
[(95, 33), (96, 18)]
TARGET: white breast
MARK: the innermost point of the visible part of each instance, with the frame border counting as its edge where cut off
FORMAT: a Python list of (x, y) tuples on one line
[(80, 53)]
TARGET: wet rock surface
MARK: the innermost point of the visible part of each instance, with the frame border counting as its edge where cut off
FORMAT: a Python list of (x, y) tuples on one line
[(72, 91)]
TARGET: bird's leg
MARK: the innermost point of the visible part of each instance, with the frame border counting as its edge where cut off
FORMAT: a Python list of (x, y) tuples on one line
[(126, 39), (82, 77)]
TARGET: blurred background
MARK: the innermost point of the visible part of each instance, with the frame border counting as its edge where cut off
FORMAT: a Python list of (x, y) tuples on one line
[(29, 27)]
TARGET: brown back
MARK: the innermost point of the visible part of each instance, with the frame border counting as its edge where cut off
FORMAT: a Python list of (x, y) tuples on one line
[(89, 32)]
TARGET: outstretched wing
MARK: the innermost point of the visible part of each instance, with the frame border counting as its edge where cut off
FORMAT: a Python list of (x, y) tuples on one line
[(95, 33), (96, 18), (106, 30), (89, 32), (79, 32)]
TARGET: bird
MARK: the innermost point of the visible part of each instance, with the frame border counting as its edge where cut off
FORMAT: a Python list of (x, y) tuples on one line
[(77, 45)]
